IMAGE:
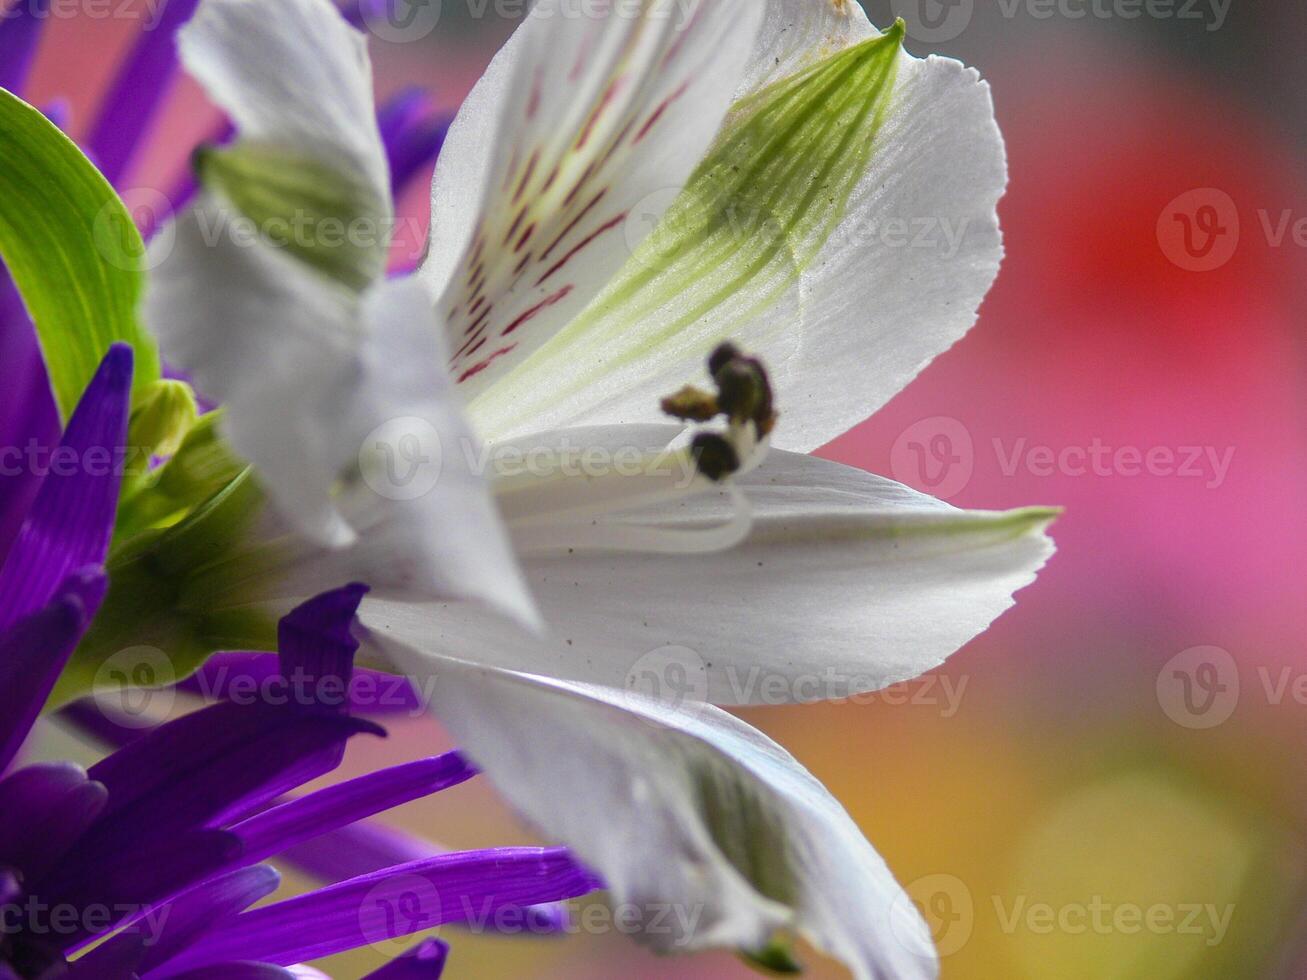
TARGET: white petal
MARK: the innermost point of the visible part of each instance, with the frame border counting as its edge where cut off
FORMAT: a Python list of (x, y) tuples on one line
[(715, 833), (898, 281), (428, 523), (563, 158), (798, 33), (847, 583), (292, 73), (316, 380), (275, 343)]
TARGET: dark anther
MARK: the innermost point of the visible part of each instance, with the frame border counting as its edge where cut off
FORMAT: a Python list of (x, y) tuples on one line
[(745, 393), (722, 356), (691, 404), (714, 456)]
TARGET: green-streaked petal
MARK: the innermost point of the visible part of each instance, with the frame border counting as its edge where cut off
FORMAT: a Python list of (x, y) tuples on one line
[(73, 251), (564, 156), (707, 827), (898, 279), (750, 221)]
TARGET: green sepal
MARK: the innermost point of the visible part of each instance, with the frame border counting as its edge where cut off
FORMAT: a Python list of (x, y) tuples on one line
[(199, 468), (325, 217), (73, 252), (179, 590), (165, 412), (776, 958)]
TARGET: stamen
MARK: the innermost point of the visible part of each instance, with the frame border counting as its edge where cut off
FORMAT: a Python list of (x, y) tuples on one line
[(744, 396), (715, 457)]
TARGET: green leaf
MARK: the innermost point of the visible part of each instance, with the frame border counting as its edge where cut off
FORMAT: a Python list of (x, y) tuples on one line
[(73, 252)]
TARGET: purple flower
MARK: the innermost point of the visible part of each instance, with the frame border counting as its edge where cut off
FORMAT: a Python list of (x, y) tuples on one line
[(146, 864)]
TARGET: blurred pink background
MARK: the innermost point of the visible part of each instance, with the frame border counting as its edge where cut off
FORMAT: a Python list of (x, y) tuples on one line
[(1128, 737)]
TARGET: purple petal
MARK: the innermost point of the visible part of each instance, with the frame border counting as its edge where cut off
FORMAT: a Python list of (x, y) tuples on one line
[(169, 929), (316, 647), (214, 766), (230, 971), (44, 810), (142, 83), (412, 135), (359, 849), (426, 962), (71, 520), (272, 831), (101, 723), (234, 676), (20, 33), (398, 902), (29, 423), (367, 847), (119, 962), (150, 870), (33, 654)]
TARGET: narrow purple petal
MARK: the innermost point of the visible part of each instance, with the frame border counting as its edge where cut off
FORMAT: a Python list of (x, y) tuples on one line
[(425, 962), (317, 646), (20, 34), (397, 902), (359, 849), (152, 869), (44, 810), (29, 422), (367, 847), (214, 766), (71, 520), (170, 929), (101, 723), (412, 134), (230, 971), (140, 87), (234, 676), (272, 831), (119, 962), (33, 654)]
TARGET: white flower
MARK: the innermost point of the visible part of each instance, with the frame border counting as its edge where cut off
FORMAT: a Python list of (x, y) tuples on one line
[(777, 140)]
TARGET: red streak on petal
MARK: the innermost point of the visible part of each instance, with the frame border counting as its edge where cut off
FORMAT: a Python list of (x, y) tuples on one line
[(476, 369), (581, 245), (539, 308), (571, 225), (659, 112)]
